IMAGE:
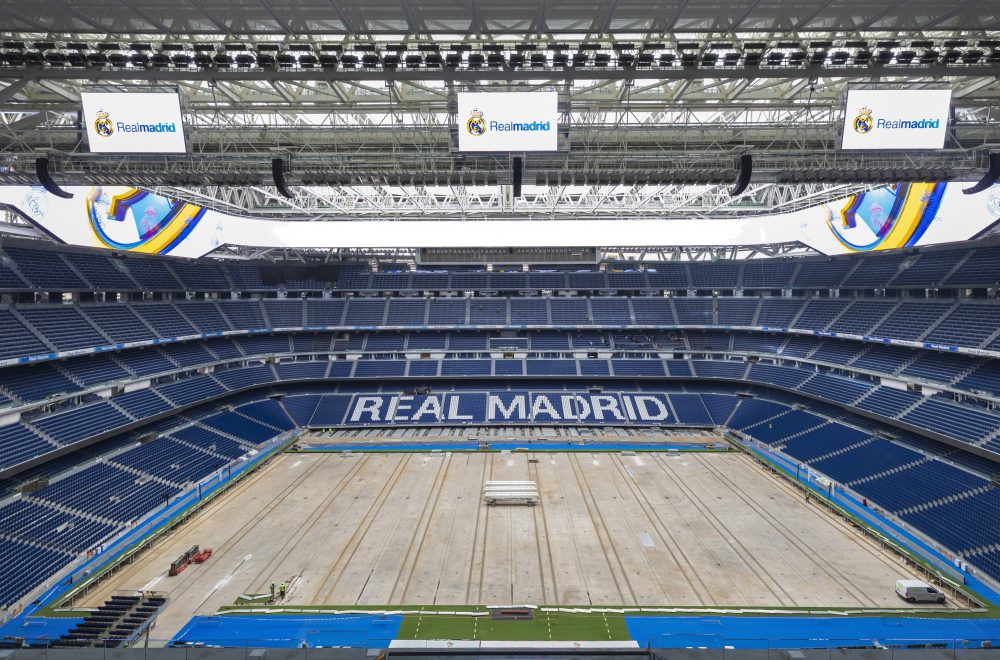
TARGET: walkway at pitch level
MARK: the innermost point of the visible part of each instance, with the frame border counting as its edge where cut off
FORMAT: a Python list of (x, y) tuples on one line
[(739, 632), (285, 631), (504, 446), (779, 632)]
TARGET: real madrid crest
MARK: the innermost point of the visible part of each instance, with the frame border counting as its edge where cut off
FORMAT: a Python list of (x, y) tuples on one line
[(103, 124), (864, 123), (476, 124)]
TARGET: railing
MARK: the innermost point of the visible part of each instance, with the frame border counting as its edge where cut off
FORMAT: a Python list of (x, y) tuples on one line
[(329, 644), (648, 326), (816, 648)]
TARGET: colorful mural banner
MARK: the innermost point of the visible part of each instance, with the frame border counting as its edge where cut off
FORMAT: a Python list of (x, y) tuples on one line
[(139, 221), (887, 218)]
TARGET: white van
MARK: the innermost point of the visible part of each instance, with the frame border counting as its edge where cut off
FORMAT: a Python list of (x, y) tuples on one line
[(916, 591)]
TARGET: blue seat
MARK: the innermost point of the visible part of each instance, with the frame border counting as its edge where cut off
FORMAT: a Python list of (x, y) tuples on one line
[(118, 321), (63, 326)]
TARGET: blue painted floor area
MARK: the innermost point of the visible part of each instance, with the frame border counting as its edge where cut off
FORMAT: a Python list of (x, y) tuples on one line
[(500, 446), (809, 632), (283, 631), (39, 630)]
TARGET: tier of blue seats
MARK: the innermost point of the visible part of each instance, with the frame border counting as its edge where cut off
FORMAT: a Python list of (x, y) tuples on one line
[(240, 425), (928, 269), (107, 492), (889, 401), (169, 460), (918, 484), (69, 327), (18, 339), (964, 523), (864, 460), (32, 268), (81, 422), (191, 389), (875, 272), (39, 381), (790, 422), (44, 269), (969, 423), (218, 445), (33, 565), (690, 409), (836, 388), (34, 522), (988, 560), (754, 411), (719, 407), (952, 419), (812, 444), (18, 444)]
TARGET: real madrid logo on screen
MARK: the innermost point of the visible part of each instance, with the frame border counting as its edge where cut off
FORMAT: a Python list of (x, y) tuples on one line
[(103, 124), (476, 124), (864, 123)]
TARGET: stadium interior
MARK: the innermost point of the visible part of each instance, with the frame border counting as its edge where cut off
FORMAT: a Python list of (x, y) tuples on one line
[(672, 366)]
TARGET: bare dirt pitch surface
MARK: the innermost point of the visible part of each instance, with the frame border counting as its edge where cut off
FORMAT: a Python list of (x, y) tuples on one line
[(612, 529)]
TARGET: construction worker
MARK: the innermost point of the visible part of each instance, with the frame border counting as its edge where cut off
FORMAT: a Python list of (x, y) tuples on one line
[(281, 590), (272, 591)]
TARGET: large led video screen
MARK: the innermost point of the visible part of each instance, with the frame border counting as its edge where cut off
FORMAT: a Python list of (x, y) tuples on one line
[(508, 121), (133, 123), (135, 220), (897, 119)]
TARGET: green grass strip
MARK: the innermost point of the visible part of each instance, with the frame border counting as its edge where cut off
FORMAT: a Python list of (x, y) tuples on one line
[(555, 626)]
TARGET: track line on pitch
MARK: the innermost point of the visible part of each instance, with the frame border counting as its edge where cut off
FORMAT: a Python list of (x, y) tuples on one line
[(272, 566), (369, 459), (542, 537), (803, 545), (672, 546), (479, 552), (359, 533), (221, 549), (767, 581), (576, 546), (451, 531), (603, 536), (624, 476), (423, 524)]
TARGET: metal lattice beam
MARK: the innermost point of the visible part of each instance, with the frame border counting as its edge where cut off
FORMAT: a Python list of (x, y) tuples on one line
[(651, 140), (555, 202)]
